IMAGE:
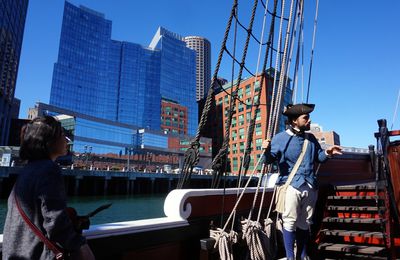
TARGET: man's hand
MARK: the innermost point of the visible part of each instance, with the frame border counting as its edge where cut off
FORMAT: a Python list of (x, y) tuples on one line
[(334, 150), (266, 144)]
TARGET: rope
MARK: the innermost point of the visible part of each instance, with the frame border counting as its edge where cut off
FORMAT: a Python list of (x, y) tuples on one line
[(282, 74), (244, 166), (272, 119), (270, 233), (299, 45), (252, 230), (255, 239), (298, 11), (241, 195), (234, 59), (312, 50), (191, 159), (224, 149), (224, 242), (185, 176)]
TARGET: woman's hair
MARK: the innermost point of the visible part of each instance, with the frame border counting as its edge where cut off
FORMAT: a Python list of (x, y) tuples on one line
[(38, 138)]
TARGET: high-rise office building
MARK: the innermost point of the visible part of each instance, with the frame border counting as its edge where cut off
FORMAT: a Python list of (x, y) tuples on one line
[(203, 64), (121, 81), (248, 91), (178, 72), (98, 76), (12, 23)]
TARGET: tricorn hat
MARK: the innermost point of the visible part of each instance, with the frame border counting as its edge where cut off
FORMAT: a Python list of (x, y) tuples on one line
[(298, 109)]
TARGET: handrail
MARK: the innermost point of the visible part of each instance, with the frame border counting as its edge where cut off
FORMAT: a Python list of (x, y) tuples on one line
[(383, 143), (383, 174), (390, 133)]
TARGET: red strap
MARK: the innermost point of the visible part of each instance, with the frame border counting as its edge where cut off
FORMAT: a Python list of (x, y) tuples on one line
[(49, 244)]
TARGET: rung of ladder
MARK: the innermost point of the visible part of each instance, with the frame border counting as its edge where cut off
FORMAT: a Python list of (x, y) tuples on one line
[(356, 249), (354, 220), (352, 233)]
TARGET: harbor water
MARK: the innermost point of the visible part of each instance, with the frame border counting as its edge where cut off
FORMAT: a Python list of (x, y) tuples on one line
[(123, 208)]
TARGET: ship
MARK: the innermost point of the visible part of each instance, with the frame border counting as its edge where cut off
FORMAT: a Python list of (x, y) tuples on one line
[(357, 213)]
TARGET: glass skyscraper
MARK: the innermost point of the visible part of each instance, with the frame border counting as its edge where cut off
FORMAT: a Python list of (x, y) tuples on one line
[(120, 81), (12, 23), (178, 72)]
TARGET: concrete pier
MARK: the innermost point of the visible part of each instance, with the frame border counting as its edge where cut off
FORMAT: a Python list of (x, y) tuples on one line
[(86, 182)]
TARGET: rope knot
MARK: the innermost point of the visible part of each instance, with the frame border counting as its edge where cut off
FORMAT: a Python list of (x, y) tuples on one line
[(255, 239), (224, 242), (192, 155)]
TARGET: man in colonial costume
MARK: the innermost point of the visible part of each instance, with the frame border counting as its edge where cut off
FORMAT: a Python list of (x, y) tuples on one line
[(301, 194)]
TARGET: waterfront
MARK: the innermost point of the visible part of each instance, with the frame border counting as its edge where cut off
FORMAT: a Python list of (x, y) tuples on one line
[(124, 208)]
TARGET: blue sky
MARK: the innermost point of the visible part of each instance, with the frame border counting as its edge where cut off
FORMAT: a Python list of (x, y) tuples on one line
[(355, 77)]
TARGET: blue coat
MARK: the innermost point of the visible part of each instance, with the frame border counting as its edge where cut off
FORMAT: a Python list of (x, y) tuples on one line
[(286, 148)]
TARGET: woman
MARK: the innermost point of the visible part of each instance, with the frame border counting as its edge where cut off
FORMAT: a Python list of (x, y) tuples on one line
[(41, 195)]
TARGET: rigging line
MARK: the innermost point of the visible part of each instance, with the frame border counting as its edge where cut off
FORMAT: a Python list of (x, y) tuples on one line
[(245, 49), (277, 89), (233, 58), (249, 217), (223, 150), (241, 195), (238, 99), (225, 157), (395, 110), (312, 50), (210, 95), (291, 44), (266, 77), (268, 169), (296, 69), (284, 18), (214, 78), (283, 76), (250, 128), (272, 13), (302, 63), (251, 33), (302, 55), (273, 99)]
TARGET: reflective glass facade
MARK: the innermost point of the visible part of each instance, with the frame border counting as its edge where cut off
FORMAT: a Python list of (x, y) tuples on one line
[(153, 140), (105, 144), (12, 23), (139, 87), (178, 73), (121, 81), (98, 76)]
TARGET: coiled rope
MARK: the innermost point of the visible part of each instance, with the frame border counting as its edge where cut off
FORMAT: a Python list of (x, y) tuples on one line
[(224, 242)]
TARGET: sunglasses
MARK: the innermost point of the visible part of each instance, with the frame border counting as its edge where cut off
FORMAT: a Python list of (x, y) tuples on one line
[(69, 141)]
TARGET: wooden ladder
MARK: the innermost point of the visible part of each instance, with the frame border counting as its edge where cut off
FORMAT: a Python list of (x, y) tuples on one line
[(354, 225)]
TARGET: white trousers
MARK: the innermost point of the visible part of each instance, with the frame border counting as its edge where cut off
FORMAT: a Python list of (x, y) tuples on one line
[(299, 207)]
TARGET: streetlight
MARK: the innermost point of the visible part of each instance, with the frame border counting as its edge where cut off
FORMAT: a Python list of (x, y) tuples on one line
[(149, 157), (88, 150), (129, 150)]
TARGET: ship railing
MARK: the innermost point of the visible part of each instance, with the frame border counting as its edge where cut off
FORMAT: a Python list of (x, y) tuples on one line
[(383, 177)]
